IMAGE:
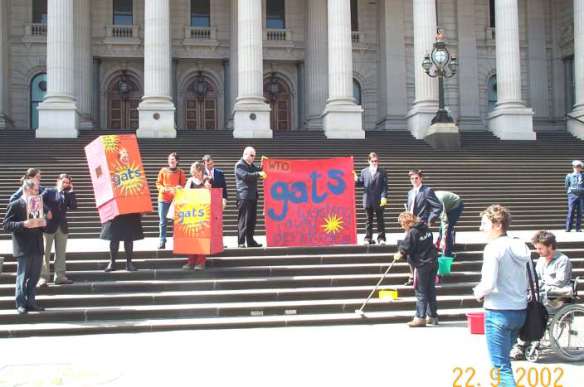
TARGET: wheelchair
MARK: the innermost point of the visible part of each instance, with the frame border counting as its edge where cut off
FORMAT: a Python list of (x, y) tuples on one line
[(565, 329)]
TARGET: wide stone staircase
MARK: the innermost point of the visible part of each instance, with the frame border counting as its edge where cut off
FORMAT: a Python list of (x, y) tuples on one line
[(274, 286)]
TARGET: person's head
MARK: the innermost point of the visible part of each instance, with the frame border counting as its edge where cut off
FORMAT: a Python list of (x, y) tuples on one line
[(407, 220), (30, 187), (495, 220), (373, 160), (197, 170), (63, 182), (249, 154), (416, 177), (173, 160), (32, 173), (544, 243), (209, 163), (577, 165), (124, 156)]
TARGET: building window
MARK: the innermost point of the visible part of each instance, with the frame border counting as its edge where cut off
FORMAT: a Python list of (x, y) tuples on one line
[(39, 11), (357, 95), (123, 13), (354, 15), (492, 13), (276, 14), (492, 92), (200, 13)]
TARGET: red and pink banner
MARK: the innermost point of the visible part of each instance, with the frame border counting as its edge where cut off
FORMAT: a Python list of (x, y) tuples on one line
[(310, 202)]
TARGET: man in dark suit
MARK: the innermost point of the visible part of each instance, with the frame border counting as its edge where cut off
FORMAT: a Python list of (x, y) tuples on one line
[(422, 201), (216, 175), (246, 193), (58, 200), (374, 182), (27, 245)]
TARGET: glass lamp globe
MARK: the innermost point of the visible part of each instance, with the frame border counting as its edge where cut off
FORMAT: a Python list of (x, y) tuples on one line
[(440, 57)]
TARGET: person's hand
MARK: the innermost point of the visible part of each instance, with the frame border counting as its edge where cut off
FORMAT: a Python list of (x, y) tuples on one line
[(355, 176), (397, 256), (262, 174), (207, 184), (262, 160), (383, 202), (49, 215), (30, 223), (224, 203)]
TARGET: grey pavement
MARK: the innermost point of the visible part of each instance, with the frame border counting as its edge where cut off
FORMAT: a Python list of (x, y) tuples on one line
[(365, 355)]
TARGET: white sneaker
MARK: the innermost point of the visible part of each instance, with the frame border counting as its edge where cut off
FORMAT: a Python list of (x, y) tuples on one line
[(200, 266), (188, 266)]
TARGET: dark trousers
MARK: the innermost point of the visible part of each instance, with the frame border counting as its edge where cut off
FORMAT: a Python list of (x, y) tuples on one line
[(453, 216), (380, 224), (246, 220), (115, 248), (28, 271), (575, 204), (425, 290)]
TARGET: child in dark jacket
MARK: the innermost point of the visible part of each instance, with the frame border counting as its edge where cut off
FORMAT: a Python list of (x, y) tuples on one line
[(419, 249)]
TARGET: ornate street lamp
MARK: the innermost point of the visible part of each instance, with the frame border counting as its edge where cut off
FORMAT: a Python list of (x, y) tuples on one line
[(440, 64), (273, 88)]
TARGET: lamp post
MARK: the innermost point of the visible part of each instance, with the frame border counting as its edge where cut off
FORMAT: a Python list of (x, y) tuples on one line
[(440, 64)]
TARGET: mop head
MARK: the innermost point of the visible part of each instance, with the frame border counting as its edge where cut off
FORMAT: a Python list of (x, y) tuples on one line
[(360, 312)]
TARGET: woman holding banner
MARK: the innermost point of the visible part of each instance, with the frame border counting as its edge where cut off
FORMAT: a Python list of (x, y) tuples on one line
[(196, 181)]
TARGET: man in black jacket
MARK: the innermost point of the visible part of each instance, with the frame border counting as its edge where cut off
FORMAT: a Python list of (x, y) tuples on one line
[(374, 182), (246, 193), (27, 245), (59, 200), (422, 200), (216, 175)]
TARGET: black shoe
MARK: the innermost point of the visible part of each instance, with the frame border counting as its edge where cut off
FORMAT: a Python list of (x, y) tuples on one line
[(241, 245), (162, 245), (110, 267), (254, 244), (568, 229), (35, 308), (369, 242), (131, 267), (409, 282), (21, 310)]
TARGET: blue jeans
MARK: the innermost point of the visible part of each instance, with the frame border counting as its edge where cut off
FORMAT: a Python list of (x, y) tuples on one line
[(575, 204), (501, 331), (162, 212), (425, 290), (28, 271)]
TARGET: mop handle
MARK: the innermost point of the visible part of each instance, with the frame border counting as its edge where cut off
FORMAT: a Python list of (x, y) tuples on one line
[(376, 286)]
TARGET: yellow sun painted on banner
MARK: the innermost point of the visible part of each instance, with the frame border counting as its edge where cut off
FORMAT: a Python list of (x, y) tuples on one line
[(332, 224), (128, 179), (110, 143), (192, 219)]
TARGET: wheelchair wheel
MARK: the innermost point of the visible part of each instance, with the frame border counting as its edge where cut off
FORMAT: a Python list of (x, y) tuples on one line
[(567, 332), (532, 352)]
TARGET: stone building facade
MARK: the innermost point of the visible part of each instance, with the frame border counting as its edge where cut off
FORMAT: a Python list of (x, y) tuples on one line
[(258, 66)]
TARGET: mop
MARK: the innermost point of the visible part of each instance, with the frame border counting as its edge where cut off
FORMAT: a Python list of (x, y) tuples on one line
[(360, 310)]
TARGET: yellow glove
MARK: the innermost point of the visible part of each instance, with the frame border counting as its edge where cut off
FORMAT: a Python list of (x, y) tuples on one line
[(397, 256), (263, 175), (383, 202)]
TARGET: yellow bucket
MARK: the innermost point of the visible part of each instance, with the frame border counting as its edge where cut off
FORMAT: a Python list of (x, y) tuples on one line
[(390, 294)]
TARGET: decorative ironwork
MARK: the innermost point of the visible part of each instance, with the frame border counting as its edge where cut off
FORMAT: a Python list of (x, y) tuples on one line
[(273, 88), (124, 86), (200, 86)]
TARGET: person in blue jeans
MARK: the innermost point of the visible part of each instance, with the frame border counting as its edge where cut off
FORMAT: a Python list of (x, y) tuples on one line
[(503, 289), (574, 184)]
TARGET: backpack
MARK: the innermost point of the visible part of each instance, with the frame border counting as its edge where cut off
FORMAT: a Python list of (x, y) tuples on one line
[(537, 316)]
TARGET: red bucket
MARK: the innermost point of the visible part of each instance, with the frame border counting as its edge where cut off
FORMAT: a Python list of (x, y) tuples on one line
[(476, 323)]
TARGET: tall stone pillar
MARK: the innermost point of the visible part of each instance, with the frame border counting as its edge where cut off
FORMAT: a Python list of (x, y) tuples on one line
[(426, 88), (58, 116), (156, 110), (511, 119), (391, 73), (233, 67), (574, 126), (468, 81), (316, 63), (342, 118), (84, 67), (4, 49), (539, 94), (252, 114)]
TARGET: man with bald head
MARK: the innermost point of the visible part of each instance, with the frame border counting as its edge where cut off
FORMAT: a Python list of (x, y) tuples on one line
[(246, 193)]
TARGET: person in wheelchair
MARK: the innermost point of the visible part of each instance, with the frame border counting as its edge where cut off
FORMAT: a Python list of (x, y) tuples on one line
[(554, 272)]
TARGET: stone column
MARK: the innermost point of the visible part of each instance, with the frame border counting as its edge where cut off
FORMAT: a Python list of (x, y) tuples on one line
[(58, 116), (537, 57), (232, 64), (511, 119), (156, 110), (252, 114), (468, 81), (577, 127), (315, 63), (391, 73), (84, 60), (342, 118), (426, 88), (4, 49)]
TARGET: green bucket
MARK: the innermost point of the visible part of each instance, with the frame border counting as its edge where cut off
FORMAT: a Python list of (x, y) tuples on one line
[(444, 265)]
